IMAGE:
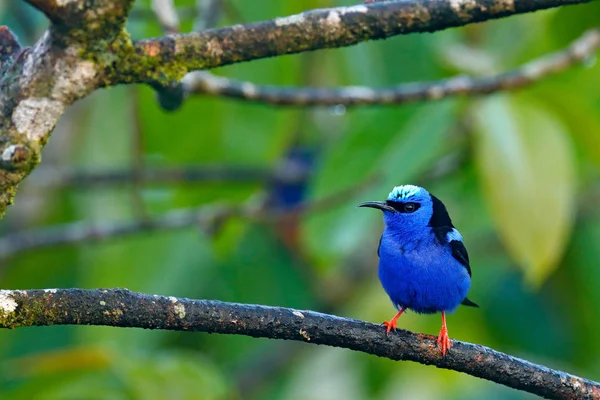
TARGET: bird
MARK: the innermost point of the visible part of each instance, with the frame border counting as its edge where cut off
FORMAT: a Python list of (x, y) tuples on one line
[(423, 263)]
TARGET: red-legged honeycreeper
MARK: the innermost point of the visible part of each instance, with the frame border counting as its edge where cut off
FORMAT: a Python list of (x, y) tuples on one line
[(423, 263)]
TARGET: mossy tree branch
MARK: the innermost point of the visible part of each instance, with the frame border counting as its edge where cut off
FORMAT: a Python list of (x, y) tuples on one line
[(316, 29), (86, 47), (123, 308)]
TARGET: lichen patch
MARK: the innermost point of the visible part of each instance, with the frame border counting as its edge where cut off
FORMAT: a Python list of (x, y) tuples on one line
[(304, 334), (503, 6), (464, 8), (359, 92), (333, 20), (291, 20), (7, 154), (214, 48), (73, 80), (7, 302), (35, 117), (179, 310), (250, 90), (354, 9)]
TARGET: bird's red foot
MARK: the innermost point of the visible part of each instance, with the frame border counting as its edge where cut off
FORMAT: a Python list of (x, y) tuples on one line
[(391, 324), (443, 340)]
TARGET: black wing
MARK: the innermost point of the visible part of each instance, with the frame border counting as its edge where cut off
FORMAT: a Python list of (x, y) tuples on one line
[(379, 245), (459, 251)]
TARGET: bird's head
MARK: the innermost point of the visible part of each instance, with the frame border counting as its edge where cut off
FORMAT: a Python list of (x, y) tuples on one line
[(410, 207)]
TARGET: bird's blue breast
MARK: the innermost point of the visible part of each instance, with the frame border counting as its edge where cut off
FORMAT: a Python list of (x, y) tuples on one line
[(421, 274)]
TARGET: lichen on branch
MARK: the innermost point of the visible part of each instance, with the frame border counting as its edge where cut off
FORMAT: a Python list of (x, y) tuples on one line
[(316, 29), (123, 308), (87, 47)]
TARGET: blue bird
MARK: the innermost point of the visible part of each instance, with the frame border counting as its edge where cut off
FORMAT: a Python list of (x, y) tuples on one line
[(423, 263)]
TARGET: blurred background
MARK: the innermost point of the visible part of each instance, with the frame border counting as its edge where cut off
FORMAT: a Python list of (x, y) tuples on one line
[(237, 201)]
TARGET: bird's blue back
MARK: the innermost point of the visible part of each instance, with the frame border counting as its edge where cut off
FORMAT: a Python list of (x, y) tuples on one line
[(422, 262)]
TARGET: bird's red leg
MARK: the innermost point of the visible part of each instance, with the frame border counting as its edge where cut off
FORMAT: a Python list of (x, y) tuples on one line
[(392, 323), (443, 340)]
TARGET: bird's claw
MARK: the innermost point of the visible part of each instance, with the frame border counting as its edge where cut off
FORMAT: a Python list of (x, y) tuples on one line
[(443, 341), (390, 325)]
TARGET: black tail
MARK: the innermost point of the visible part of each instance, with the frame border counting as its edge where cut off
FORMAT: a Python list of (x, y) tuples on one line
[(467, 302)]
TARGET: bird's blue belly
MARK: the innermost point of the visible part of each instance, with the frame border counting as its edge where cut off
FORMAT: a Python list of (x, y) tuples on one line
[(426, 281)]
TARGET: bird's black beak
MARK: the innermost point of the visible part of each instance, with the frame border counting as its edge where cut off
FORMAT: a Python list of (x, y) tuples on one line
[(380, 205)]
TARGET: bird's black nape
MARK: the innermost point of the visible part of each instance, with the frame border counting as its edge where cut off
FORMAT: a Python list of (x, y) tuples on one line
[(439, 216)]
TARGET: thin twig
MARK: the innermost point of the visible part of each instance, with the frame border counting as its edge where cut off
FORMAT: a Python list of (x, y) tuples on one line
[(123, 308), (81, 232), (208, 218), (66, 177), (54, 73), (208, 13), (205, 83), (142, 12), (166, 14)]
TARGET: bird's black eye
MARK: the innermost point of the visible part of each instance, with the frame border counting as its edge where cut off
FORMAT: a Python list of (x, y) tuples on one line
[(410, 207), (403, 207)]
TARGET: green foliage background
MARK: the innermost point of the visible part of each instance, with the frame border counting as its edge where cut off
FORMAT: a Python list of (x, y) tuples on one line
[(524, 197)]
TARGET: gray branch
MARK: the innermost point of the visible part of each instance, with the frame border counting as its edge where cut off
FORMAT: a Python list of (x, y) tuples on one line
[(87, 47), (313, 30), (208, 218), (123, 308), (205, 83)]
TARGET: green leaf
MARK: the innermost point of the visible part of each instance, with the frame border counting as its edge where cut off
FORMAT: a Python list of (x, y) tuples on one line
[(526, 166)]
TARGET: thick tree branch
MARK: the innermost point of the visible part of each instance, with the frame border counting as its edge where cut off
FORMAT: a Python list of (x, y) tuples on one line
[(205, 83), (40, 82), (86, 47), (315, 29), (123, 308)]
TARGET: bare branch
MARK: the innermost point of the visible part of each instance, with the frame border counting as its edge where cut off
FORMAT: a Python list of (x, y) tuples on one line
[(315, 29), (205, 83), (87, 47), (208, 218), (123, 308), (66, 177), (80, 232)]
